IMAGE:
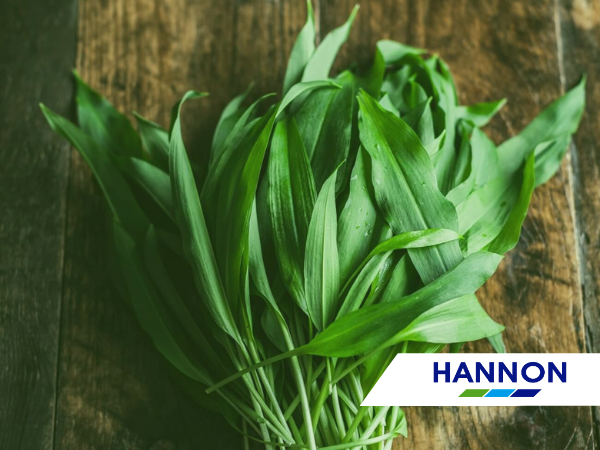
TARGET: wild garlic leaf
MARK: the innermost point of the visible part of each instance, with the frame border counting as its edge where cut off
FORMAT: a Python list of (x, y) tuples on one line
[(227, 198), (239, 130), (302, 51), (319, 65), (153, 180), (549, 156), (321, 264), (229, 117), (325, 124), (480, 113), (108, 128), (459, 320), (561, 117), (379, 325), (149, 309), (116, 191), (405, 186), (393, 51), (508, 237), (291, 199), (357, 219), (155, 140), (195, 239), (158, 272), (366, 274)]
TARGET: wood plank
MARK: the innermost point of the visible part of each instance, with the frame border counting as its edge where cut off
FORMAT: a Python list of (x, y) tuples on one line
[(143, 55), (498, 49), (37, 53), (579, 23)]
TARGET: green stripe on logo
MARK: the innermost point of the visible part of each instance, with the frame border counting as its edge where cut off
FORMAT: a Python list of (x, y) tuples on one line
[(474, 393)]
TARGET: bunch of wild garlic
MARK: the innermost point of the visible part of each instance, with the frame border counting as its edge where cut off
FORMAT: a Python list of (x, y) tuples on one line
[(353, 220)]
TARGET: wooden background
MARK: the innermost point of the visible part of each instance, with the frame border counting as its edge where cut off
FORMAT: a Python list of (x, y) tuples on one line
[(75, 370)]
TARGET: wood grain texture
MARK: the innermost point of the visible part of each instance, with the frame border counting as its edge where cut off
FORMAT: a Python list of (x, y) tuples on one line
[(113, 390), (498, 49), (579, 22), (33, 181)]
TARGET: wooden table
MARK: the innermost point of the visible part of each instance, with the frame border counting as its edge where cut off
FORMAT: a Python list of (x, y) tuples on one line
[(75, 370)]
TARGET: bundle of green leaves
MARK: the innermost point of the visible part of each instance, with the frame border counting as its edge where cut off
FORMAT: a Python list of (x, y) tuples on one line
[(352, 220)]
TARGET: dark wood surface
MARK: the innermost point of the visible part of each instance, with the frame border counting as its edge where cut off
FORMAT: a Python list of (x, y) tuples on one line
[(75, 370)]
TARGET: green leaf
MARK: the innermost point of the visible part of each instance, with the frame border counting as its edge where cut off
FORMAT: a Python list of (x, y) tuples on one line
[(196, 241), (108, 128), (325, 124), (227, 198), (358, 218), (508, 237), (239, 130), (492, 216), (116, 191), (549, 156), (229, 117), (321, 265), (319, 65), (155, 140), (299, 89), (458, 320), (559, 118), (480, 113), (380, 325), (368, 270), (148, 308), (405, 186), (393, 51), (303, 49), (185, 320), (291, 198), (154, 181)]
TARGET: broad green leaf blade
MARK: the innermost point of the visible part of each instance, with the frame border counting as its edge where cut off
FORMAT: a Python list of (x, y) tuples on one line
[(480, 113), (108, 128), (299, 89), (227, 199), (496, 211), (154, 181), (159, 275), (405, 186), (229, 117), (320, 63), (321, 265), (146, 303), (325, 124), (155, 140), (116, 191), (549, 156), (291, 198), (393, 51), (303, 49), (559, 118), (378, 325), (458, 320), (357, 219), (508, 238), (196, 241), (239, 130), (257, 264), (367, 271)]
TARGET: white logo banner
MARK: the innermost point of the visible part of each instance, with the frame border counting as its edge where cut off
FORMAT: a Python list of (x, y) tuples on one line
[(489, 379)]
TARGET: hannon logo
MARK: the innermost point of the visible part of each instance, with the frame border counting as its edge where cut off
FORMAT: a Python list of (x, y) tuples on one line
[(530, 372), (488, 379)]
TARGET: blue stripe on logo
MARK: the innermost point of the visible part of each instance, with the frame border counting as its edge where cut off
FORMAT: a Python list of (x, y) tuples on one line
[(500, 393)]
